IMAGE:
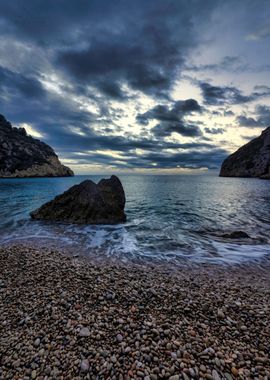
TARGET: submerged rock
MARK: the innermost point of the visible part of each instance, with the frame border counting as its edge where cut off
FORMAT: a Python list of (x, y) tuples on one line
[(87, 203), (236, 235), (251, 160), (23, 156)]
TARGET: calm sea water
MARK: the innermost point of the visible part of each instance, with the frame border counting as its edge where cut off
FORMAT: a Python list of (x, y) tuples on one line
[(169, 218)]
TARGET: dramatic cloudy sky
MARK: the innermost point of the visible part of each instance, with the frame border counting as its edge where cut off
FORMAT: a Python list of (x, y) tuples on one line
[(143, 86)]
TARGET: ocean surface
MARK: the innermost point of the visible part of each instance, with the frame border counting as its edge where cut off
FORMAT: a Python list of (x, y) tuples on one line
[(170, 218)]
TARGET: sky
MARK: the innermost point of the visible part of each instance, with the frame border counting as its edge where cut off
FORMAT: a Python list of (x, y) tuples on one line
[(145, 86)]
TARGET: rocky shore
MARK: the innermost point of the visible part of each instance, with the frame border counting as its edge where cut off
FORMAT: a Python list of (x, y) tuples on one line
[(64, 317), (251, 160), (22, 156)]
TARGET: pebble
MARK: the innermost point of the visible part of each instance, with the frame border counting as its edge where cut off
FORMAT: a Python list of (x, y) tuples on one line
[(192, 372), (41, 352), (234, 371), (185, 376), (84, 332), (16, 363), (119, 338), (215, 375), (37, 342), (84, 365), (202, 368), (220, 314), (113, 359)]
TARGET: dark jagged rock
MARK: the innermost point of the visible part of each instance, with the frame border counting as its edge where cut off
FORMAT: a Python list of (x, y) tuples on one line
[(87, 203), (236, 235), (251, 160), (23, 156)]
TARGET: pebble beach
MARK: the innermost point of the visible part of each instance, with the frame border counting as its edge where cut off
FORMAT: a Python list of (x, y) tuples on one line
[(66, 317)]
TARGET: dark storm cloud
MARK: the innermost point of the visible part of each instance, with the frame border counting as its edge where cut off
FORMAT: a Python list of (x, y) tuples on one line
[(107, 51), (226, 64), (218, 95), (13, 84), (260, 119), (128, 149), (24, 100), (214, 131), (108, 67), (53, 24), (222, 95), (100, 46), (105, 43), (172, 118), (171, 114), (166, 129), (93, 141), (186, 155), (196, 158), (228, 113), (245, 121), (141, 43), (191, 159), (262, 88), (67, 128)]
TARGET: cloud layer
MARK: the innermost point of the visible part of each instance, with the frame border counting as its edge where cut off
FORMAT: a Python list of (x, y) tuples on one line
[(104, 82)]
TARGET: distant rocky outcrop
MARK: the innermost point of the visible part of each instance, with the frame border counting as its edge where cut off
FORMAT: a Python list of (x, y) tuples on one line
[(87, 203), (251, 160), (23, 156)]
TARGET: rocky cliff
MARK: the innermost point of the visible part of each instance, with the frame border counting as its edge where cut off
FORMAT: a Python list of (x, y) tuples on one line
[(251, 160), (23, 156)]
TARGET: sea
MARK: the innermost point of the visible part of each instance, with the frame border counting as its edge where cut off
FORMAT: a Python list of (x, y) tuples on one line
[(173, 219)]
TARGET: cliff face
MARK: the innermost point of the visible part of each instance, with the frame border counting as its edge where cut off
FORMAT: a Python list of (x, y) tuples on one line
[(251, 160), (23, 156)]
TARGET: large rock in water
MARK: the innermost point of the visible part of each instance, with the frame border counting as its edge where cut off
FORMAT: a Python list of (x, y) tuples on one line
[(251, 160), (87, 203), (23, 156)]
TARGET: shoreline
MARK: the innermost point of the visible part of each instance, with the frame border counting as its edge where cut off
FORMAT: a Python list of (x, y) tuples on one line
[(65, 317), (214, 263)]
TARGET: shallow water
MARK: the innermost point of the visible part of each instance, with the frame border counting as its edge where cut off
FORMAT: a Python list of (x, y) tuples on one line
[(171, 219)]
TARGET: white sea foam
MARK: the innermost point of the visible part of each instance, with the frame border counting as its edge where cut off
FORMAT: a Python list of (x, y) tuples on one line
[(230, 253)]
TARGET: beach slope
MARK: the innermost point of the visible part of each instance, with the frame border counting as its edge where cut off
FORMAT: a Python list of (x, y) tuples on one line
[(64, 317)]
